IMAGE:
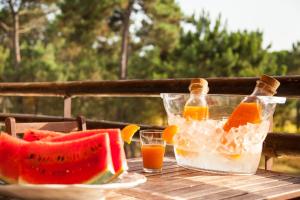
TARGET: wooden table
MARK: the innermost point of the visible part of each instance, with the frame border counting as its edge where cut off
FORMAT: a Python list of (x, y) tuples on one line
[(179, 183)]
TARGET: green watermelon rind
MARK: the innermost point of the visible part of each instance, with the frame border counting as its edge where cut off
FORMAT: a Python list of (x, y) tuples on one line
[(120, 171), (104, 177)]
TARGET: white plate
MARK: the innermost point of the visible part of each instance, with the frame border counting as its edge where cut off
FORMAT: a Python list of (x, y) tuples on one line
[(68, 192)]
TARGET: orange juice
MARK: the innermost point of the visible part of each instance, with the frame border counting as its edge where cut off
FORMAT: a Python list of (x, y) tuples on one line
[(196, 107), (244, 113), (249, 111), (195, 112), (153, 155)]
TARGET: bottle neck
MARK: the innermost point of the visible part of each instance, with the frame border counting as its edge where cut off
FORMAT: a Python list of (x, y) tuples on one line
[(196, 99), (199, 91), (197, 95), (263, 89)]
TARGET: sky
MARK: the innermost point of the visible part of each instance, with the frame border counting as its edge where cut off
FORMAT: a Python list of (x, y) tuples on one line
[(279, 20)]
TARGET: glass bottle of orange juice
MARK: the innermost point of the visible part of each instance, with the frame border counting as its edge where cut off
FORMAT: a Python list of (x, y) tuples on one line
[(196, 106), (249, 110)]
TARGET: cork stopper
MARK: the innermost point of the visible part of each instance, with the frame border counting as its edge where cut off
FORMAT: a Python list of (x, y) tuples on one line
[(269, 83), (199, 85)]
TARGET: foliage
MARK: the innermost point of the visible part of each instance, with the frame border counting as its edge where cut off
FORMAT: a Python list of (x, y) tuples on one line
[(71, 40), (290, 58), (4, 53)]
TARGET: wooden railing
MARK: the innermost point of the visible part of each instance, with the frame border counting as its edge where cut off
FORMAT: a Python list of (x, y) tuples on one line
[(276, 144)]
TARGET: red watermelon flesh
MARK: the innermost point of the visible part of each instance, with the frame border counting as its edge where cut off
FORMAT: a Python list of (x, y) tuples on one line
[(116, 144), (34, 135), (10, 148), (85, 160)]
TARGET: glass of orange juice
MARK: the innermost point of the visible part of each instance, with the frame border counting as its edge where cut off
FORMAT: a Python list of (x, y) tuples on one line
[(153, 150)]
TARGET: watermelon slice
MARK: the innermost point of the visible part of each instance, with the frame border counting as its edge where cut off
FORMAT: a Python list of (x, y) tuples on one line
[(83, 160), (10, 148), (34, 135), (116, 143)]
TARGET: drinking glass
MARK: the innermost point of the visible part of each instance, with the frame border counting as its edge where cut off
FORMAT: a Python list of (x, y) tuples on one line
[(153, 150)]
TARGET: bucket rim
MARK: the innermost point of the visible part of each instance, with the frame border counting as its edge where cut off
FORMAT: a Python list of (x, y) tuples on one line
[(268, 99)]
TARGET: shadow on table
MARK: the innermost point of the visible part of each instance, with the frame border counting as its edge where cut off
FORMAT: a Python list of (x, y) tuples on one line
[(178, 182)]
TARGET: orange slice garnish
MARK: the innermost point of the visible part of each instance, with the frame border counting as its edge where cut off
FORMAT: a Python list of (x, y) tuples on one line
[(128, 132), (169, 133)]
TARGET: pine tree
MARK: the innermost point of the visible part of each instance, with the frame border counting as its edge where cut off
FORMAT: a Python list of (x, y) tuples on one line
[(18, 17)]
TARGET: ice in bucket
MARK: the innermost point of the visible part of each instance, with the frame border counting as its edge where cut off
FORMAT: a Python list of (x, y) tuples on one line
[(205, 145)]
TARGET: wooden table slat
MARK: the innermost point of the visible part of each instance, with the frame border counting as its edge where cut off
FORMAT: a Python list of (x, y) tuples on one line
[(243, 189), (217, 185), (281, 192), (176, 182)]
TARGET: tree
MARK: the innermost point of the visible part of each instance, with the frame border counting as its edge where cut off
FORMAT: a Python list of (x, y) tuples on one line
[(20, 21), (85, 54), (291, 59), (291, 110), (210, 50), (125, 40), (19, 17), (160, 19), (89, 41)]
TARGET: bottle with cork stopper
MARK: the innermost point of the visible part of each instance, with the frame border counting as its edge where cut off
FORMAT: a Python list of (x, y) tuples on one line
[(249, 110), (196, 106)]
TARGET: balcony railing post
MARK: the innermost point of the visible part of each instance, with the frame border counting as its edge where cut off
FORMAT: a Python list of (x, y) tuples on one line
[(268, 163), (67, 106)]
